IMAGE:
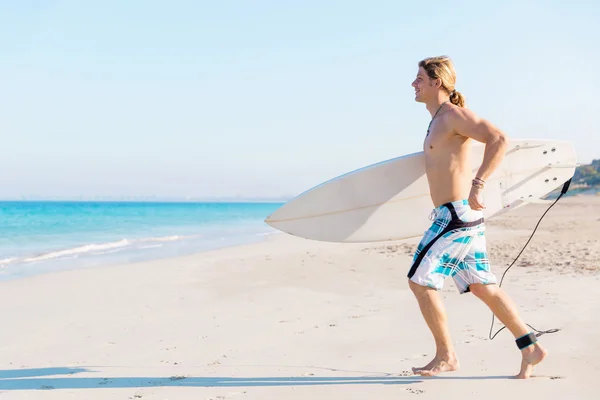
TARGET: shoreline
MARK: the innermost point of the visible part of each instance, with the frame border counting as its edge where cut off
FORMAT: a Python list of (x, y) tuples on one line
[(498, 225), (42, 236), (59, 260)]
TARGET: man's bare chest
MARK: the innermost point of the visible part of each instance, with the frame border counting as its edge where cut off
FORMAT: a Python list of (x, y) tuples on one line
[(435, 138)]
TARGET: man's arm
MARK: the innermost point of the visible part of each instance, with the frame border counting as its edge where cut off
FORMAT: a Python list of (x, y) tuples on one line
[(467, 123)]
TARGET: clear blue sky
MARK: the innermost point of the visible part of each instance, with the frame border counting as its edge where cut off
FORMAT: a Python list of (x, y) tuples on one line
[(269, 98)]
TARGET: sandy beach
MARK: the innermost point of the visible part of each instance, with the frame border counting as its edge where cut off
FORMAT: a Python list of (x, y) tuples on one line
[(295, 319)]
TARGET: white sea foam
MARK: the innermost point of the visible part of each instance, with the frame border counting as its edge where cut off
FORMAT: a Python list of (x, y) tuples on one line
[(95, 249), (6, 261), (151, 246), (88, 248), (99, 249), (164, 239)]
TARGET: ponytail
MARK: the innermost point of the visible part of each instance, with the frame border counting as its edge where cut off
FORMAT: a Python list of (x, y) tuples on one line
[(457, 98)]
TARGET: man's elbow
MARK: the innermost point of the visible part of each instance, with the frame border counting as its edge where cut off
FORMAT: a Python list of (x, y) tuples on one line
[(499, 139), (492, 135)]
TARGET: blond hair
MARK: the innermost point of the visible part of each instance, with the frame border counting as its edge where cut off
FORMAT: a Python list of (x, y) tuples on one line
[(441, 68)]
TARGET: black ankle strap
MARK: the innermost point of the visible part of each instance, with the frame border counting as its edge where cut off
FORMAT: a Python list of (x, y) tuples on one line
[(526, 340)]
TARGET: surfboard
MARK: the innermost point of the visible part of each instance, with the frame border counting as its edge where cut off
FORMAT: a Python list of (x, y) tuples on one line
[(390, 200)]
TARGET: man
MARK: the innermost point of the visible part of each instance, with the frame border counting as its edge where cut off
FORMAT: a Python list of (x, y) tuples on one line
[(455, 243)]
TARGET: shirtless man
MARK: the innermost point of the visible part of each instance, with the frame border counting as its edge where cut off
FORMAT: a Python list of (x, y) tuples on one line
[(455, 243)]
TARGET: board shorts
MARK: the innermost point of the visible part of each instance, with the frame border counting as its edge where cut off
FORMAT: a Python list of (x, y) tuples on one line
[(453, 246)]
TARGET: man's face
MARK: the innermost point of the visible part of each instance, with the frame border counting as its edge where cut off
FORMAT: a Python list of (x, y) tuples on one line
[(424, 88)]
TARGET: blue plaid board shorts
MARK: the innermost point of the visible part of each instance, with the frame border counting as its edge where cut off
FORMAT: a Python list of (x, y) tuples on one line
[(453, 246)]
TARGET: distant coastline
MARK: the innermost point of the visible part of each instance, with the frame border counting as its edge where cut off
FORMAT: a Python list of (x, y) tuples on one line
[(586, 181), (588, 175)]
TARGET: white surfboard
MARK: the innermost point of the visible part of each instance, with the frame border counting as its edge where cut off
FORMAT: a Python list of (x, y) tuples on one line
[(390, 200)]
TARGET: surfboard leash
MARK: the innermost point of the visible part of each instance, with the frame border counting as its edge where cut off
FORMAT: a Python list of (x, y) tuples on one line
[(538, 333)]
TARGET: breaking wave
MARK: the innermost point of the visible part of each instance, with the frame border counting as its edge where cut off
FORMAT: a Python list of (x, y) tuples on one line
[(94, 249)]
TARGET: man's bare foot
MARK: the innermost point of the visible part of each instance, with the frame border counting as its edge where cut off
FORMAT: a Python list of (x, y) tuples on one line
[(532, 356), (438, 365)]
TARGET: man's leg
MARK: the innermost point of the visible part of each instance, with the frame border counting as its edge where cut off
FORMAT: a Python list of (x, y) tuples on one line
[(434, 313), (505, 310)]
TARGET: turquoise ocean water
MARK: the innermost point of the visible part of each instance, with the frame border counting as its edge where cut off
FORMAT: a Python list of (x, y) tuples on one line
[(38, 237)]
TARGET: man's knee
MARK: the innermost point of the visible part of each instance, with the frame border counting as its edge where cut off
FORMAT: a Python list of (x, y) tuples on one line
[(416, 288), (482, 290)]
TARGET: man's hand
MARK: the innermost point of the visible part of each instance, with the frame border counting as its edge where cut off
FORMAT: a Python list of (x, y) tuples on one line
[(475, 199)]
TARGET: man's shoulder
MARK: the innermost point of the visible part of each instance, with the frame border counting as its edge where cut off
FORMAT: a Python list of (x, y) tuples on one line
[(457, 114), (465, 122), (460, 119)]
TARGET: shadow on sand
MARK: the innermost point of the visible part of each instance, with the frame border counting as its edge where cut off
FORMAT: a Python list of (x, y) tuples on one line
[(38, 379)]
